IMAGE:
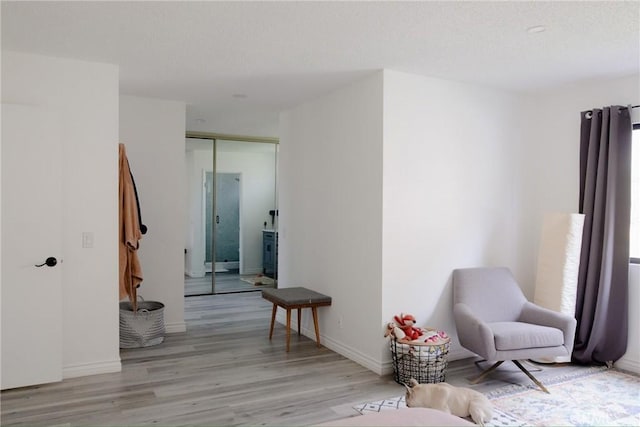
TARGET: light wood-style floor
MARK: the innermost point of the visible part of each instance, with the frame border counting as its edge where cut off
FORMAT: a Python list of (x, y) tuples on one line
[(222, 371), (225, 283)]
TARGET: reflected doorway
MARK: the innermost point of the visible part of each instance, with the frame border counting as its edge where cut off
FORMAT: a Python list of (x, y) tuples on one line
[(227, 221), (231, 187)]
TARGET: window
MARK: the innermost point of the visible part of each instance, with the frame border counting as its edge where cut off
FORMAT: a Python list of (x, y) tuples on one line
[(634, 249)]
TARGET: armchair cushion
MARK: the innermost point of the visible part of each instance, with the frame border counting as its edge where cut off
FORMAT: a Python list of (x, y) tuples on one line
[(520, 335)]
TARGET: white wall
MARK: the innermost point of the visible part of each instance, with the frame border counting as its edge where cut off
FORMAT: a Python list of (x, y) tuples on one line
[(449, 176), (330, 198), (153, 132), (384, 194), (551, 172), (85, 96), (468, 174), (256, 164), (195, 162)]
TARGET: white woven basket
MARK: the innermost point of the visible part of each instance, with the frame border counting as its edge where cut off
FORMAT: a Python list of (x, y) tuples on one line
[(143, 328)]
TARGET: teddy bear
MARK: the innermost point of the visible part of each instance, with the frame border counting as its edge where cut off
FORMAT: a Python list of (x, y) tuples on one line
[(406, 323)]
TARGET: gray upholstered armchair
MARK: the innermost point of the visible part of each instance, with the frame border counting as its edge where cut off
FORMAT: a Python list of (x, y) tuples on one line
[(495, 320)]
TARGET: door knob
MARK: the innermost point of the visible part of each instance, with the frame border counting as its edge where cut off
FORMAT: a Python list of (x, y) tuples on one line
[(217, 219), (49, 262)]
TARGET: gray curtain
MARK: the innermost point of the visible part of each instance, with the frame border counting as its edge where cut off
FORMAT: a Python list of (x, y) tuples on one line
[(605, 199)]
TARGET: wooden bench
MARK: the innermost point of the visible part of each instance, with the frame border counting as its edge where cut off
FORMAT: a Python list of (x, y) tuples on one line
[(290, 298)]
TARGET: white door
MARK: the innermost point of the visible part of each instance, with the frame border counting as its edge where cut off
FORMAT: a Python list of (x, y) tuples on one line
[(31, 297)]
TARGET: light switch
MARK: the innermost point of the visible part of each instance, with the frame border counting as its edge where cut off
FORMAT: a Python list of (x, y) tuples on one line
[(87, 239)]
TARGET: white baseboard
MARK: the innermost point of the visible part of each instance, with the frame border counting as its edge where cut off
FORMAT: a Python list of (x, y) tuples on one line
[(628, 364), (341, 348), (94, 368), (385, 367), (175, 327), (351, 353)]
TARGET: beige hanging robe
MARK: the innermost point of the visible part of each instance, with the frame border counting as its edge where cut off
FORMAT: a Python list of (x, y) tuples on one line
[(130, 235)]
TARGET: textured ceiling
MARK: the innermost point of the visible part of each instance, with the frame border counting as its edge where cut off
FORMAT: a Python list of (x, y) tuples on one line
[(278, 54)]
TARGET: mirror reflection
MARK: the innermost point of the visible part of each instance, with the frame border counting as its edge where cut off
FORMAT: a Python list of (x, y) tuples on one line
[(231, 236)]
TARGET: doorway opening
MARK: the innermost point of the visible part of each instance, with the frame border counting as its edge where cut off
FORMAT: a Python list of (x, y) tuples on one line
[(232, 208), (227, 237)]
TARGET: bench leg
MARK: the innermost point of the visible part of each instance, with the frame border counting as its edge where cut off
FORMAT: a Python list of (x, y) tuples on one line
[(288, 327), (314, 310), (273, 319), (299, 310)]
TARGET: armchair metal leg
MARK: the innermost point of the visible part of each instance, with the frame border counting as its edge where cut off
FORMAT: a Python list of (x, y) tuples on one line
[(534, 379), (495, 365), (486, 372)]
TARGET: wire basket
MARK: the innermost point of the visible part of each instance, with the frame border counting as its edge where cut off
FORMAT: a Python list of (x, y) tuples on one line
[(426, 362)]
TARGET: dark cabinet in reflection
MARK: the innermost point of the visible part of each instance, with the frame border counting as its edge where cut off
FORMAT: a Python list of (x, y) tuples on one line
[(270, 253)]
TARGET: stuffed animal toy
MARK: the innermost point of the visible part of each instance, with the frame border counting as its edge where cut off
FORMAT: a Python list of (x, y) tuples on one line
[(459, 401), (394, 331), (406, 322)]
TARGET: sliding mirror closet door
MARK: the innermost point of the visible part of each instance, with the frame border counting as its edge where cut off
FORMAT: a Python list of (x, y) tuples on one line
[(198, 243), (231, 237), (245, 216)]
